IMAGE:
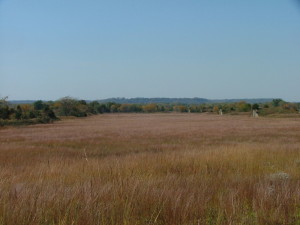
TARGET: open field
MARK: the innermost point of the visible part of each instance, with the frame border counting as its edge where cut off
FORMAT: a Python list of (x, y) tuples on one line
[(174, 169)]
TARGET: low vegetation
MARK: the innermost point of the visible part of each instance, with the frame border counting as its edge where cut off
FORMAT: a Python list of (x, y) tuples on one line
[(39, 112), (46, 112), (162, 168)]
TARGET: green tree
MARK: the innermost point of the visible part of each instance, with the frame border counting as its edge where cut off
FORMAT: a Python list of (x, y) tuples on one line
[(276, 102), (4, 112), (243, 107), (180, 108), (103, 108), (38, 105), (255, 106), (68, 106), (92, 107), (18, 112), (114, 108), (82, 102), (4, 109), (49, 113)]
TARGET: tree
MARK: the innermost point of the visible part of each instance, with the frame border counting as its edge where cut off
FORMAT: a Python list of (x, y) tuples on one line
[(103, 108), (216, 109), (82, 102), (4, 109), (150, 108), (125, 108), (18, 113), (243, 106), (255, 106), (68, 106), (114, 108), (4, 112), (38, 105), (49, 113), (92, 107), (180, 108), (3, 101), (276, 102)]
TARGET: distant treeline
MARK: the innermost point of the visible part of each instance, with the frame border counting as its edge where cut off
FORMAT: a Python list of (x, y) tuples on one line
[(186, 101), (45, 112)]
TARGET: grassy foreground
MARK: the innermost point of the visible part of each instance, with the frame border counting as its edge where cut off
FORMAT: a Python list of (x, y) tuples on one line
[(151, 169)]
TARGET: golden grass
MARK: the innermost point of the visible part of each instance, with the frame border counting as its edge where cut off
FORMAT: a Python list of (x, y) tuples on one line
[(152, 169)]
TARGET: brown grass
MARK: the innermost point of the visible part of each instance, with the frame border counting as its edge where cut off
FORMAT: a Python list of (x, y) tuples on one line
[(152, 169)]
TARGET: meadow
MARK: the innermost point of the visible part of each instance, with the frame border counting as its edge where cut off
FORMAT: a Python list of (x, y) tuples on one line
[(159, 168)]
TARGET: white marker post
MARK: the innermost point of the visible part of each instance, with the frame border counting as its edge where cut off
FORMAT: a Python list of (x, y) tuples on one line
[(255, 113)]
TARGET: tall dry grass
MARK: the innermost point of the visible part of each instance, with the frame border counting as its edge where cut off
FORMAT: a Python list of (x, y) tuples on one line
[(152, 169)]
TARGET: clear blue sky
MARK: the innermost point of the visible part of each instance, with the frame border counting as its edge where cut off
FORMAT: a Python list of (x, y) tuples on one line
[(149, 48)]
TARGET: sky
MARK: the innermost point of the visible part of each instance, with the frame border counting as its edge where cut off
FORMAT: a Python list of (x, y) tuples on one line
[(90, 49)]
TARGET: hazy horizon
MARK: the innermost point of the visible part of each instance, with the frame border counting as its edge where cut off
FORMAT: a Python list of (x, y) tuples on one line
[(120, 97), (173, 49)]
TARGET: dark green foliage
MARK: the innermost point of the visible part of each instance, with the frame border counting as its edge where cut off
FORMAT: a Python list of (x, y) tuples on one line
[(38, 112), (92, 107), (4, 112), (255, 106), (67, 106), (161, 108), (130, 108), (32, 115), (49, 113), (226, 108), (276, 102), (18, 113), (82, 102), (38, 105), (71, 107), (103, 108), (243, 107), (114, 107), (136, 108)]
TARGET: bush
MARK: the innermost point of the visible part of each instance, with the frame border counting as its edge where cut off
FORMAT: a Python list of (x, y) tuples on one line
[(4, 112), (150, 108), (38, 105), (71, 107)]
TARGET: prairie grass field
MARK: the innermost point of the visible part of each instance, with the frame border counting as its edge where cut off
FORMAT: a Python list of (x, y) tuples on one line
[(160, 168)]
